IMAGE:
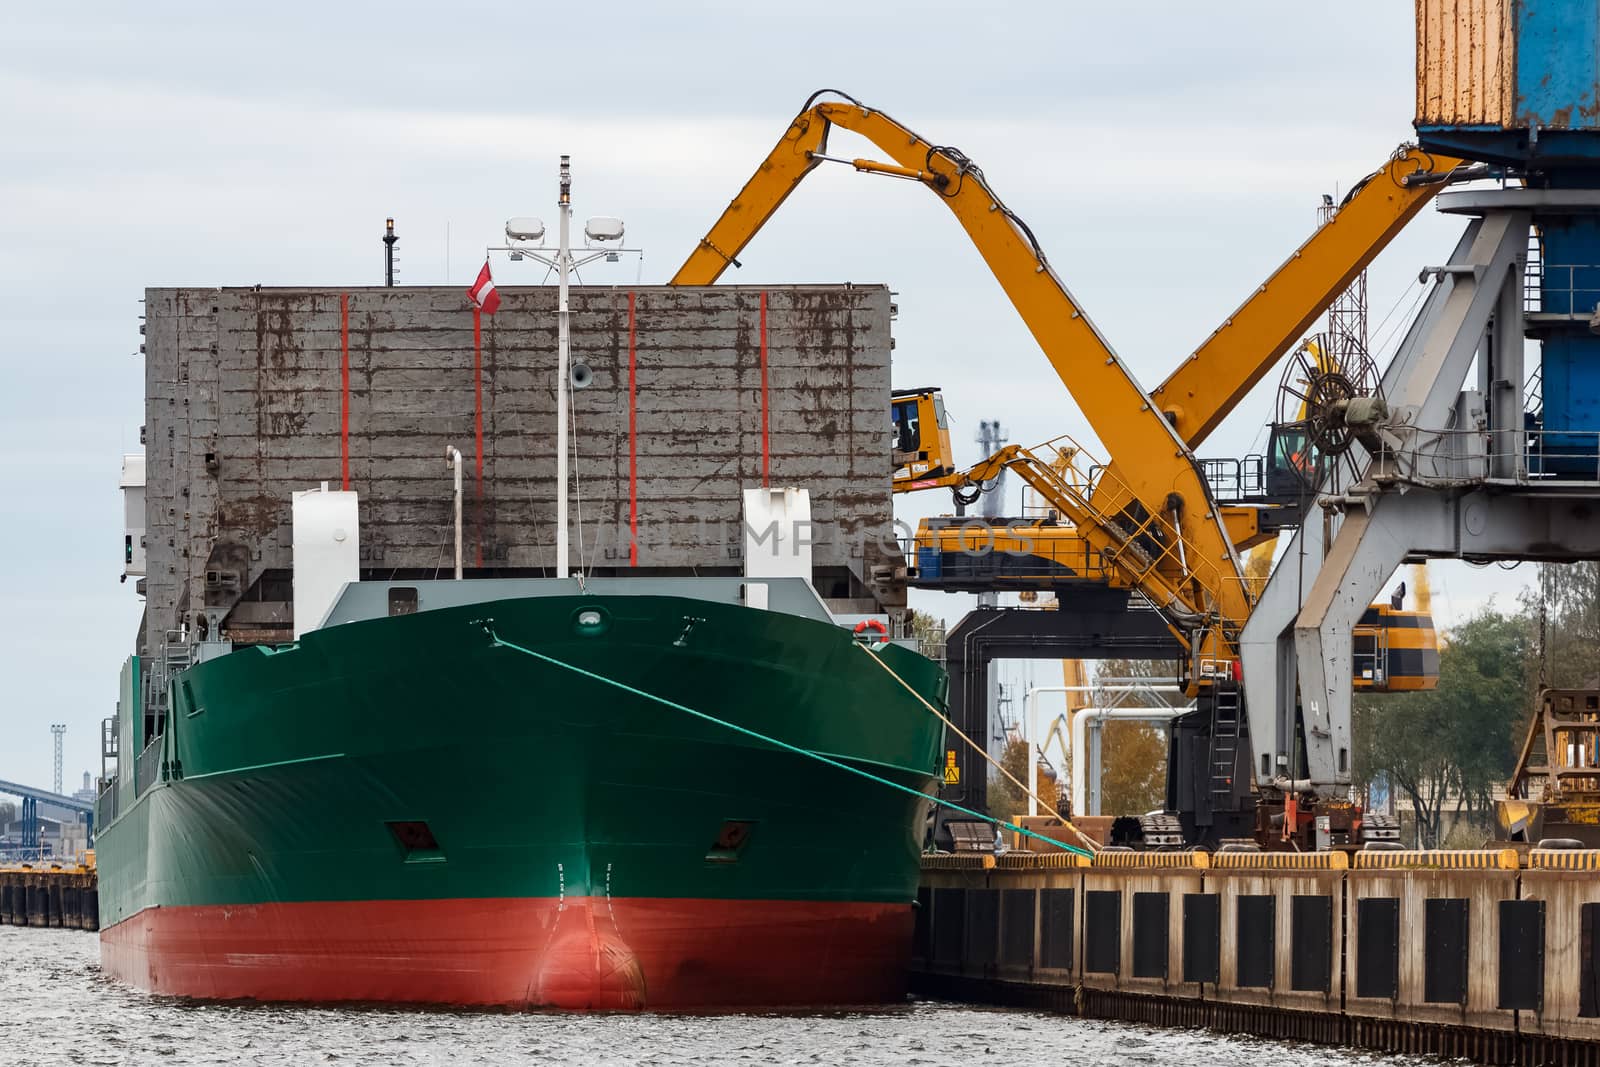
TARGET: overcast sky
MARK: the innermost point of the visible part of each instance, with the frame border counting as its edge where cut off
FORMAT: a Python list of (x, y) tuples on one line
[(1168, 155)]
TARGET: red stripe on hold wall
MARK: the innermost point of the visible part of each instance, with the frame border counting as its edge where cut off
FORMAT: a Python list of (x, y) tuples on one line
[(633, 441), (344, 390), (766, 456), (477, 416)]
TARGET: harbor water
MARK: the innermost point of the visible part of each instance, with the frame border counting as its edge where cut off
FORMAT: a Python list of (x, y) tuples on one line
[(57, 1008)]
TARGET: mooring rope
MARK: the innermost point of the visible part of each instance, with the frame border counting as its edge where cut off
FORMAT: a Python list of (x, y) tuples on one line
[(979, 749), (499, 642)]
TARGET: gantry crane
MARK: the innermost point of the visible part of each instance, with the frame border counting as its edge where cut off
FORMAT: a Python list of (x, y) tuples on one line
[(1149, 517), (1469, 455)]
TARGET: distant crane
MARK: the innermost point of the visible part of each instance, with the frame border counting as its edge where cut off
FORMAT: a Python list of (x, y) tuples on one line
[(992, 438), (58, 730)]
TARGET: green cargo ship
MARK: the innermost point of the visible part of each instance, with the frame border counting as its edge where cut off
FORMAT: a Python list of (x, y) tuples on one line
[(497, 792)]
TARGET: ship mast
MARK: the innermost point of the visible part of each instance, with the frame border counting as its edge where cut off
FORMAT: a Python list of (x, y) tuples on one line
[(602, 240), (563, 355)]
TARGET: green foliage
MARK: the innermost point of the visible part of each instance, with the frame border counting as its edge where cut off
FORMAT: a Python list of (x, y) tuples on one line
[(1133, 756), (1007, 801), (1572, 629), (1449, 747), (928, 632), (1107, 669)]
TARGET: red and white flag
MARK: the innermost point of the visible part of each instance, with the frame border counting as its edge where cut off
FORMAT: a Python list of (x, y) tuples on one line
[(483, 294)]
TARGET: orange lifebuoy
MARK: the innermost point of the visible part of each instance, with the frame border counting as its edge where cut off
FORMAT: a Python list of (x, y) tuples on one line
[(872, 624)]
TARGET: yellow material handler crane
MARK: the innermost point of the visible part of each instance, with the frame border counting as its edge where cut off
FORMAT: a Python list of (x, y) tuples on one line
[(1149, 517), (1158, 480)]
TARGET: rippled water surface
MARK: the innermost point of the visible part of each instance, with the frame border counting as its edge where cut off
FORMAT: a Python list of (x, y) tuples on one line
[(56, 1008)]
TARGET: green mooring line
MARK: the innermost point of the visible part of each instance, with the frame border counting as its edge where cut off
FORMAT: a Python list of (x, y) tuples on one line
[(501, 642)]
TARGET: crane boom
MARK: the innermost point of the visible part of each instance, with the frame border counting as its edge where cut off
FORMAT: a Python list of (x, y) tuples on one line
[(1149, 520), (1159, 476), (796, 155), (1207, 385)]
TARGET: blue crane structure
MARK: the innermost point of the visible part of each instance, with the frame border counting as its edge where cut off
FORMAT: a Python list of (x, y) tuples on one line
[(32, 798), (1483, 442)]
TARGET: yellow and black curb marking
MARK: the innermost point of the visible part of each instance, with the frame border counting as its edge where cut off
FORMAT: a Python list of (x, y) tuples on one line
[(1563, 859), (958, 861), (1041, 861), (1281, 861), (1148, 860), (1503, 859)]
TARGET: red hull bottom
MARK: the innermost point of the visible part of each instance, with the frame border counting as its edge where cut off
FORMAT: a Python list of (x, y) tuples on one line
[(585, 954)]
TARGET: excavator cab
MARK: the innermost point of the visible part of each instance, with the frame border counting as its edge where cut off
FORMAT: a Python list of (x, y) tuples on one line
[(1293, 465), (1394, 651), (920, 442)]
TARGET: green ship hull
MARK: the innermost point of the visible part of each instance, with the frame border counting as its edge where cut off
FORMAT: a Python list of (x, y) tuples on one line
[(406, 809)]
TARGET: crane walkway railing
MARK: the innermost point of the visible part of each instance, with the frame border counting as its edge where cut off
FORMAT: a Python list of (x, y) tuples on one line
[(1461, 458), (1561, 290), (1148, 550)]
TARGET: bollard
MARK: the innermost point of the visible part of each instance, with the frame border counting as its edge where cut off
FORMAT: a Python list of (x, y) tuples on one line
[(91, 908)]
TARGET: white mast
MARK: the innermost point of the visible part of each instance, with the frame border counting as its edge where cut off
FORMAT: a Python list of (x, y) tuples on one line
[(524, 238), (563, 353)]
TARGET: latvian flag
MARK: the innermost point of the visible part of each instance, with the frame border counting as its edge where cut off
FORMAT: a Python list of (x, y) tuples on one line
[(483, 294)]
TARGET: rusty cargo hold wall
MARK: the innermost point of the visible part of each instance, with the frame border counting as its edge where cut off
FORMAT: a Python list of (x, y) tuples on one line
[(697, 394)]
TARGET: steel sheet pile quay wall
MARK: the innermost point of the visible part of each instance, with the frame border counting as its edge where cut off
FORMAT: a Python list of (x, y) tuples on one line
[(53, 895), (1133, 920), (1550, 947), (981, 928), (697, 394), (1474, 954), (1279, 916), (1422, 924)]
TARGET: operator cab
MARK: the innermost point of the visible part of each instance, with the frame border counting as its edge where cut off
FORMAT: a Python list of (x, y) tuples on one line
[(1293, 464), (919, 443)]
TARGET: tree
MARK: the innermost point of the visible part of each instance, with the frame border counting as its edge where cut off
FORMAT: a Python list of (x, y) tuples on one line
[(1571, 594), (8, 813), (1133, 755), (928, 632), (1007, 801), (1451, 745), (1133, 758)]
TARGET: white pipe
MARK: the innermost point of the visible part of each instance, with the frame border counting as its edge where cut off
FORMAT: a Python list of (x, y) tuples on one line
[(1155, 685), (563, 354), (1033, 768), (452, 458), (1080, 722)]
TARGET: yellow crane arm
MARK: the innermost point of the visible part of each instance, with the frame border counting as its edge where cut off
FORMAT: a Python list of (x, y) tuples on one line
[(1204, 388), (1158, 471), (795, 156), (1146, 551)]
